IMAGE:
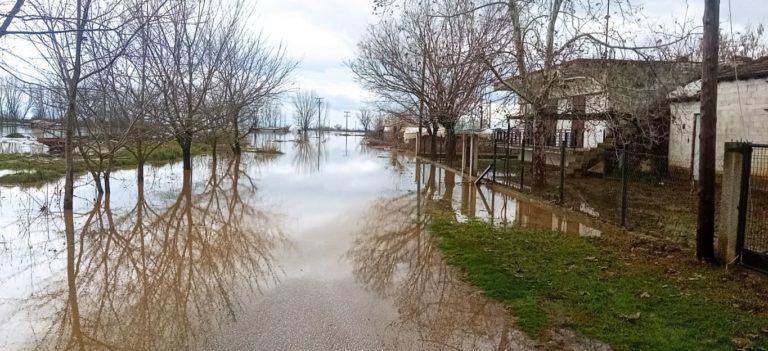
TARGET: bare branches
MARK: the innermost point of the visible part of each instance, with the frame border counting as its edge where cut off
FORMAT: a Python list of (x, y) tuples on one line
[(10, 16), (305, 109), (365, 117)]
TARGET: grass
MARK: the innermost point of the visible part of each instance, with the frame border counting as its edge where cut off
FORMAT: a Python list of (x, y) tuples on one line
[(39, 169), (15, 135), (633, 301), (269, 150), (33, 177), (664, 208)]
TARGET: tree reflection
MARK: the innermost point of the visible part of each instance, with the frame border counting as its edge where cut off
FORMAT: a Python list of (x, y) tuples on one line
[(396, 258), (161, 277), (308, 154)]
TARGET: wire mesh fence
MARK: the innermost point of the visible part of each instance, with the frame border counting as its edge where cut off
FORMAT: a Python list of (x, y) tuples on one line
[(756, 224), (632, 189)]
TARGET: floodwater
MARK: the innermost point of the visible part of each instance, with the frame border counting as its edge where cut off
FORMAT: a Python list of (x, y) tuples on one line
[(322, 248), (27, 145)]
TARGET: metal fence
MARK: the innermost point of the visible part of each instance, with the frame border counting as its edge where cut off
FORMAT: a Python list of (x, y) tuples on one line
[(632, 189), (753, 219)]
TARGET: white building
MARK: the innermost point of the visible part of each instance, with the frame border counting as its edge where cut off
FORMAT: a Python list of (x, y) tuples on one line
[(742, 113), (593, 98)]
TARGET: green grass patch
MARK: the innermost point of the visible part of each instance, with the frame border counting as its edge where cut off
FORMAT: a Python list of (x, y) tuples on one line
[(30, 178), (167, 152), (265, 151), (39, 169), (15, 135), (554, 280)]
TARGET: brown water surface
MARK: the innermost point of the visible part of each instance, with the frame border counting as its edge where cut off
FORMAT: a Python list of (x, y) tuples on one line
[(323, 248)]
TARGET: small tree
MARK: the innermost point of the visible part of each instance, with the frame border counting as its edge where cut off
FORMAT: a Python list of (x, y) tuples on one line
[(365, 117), (305, 109)]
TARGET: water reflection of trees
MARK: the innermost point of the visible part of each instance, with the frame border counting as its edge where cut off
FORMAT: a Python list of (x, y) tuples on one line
[(396, 258), (309, 153), (157, 277)]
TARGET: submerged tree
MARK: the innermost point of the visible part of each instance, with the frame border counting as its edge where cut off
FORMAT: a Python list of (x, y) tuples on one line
[(429, 65), (252, 74), (365, 117), (305, 109)]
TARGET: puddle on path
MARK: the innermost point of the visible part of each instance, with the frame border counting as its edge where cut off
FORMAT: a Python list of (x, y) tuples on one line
[(324, 247)]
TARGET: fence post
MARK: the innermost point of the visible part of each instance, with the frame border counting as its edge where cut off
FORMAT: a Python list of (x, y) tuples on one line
[(506, 153), (734, 191), (623, 187), (522, 161), (494, 159), (562, 171), (746, 171)]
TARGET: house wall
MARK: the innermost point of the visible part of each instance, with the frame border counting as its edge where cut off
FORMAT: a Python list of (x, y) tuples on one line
[(681, 133), (747, 120), (594, 131), (595, 103)]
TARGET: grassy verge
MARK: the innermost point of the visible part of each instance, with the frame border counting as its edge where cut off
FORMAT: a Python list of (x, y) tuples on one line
[(31, 170), (608, 290), (264, 151)]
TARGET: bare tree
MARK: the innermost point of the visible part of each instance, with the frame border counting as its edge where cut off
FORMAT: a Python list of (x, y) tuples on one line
[(544, 34), (749, 43), (365, 117), (10, 16), (60, 31), (422, 62), (305, 109), (251, 73)]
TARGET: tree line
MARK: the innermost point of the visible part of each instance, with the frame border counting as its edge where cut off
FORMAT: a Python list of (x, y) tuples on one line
[(136, 74)]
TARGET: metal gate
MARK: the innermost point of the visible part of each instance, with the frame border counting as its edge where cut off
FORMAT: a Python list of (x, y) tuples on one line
[(753, 208)]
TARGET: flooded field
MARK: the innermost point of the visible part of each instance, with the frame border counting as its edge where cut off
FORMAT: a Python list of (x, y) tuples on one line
[(323, 247)]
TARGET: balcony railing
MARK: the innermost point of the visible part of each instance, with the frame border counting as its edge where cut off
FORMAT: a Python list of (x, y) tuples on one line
[(518, 136)]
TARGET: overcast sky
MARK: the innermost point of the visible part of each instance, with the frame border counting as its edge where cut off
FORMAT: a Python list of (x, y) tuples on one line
[(323, 34)]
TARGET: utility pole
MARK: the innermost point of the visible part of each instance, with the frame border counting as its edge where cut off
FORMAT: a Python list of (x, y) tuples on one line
[(346, 115), (705, 228), (319, 115)]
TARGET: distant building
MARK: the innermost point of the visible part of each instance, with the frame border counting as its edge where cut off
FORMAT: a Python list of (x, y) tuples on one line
[(742, 112), (598, 98)]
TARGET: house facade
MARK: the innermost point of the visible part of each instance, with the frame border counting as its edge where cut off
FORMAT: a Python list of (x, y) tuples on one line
[(597, 99), (742, 113)]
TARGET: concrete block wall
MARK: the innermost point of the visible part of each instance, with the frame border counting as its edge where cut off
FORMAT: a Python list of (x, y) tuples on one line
[(741, 115)]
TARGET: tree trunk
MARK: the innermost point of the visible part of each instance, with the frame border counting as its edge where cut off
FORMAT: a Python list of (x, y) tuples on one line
[(69, 159), (433, 142), (236, 140), (450, 143), (97, 182), (107, 187), (186, 154), (140, 157), (539, 162), (140, 169)]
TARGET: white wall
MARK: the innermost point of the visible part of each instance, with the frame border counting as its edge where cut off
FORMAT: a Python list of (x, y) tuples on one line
[(681, 133), (594, 131), (741, 116)]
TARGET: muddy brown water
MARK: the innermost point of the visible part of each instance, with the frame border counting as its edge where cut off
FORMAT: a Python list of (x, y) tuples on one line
[(323, 248)]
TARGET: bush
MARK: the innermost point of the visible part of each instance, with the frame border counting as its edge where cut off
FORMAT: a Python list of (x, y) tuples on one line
[(15, 136)]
